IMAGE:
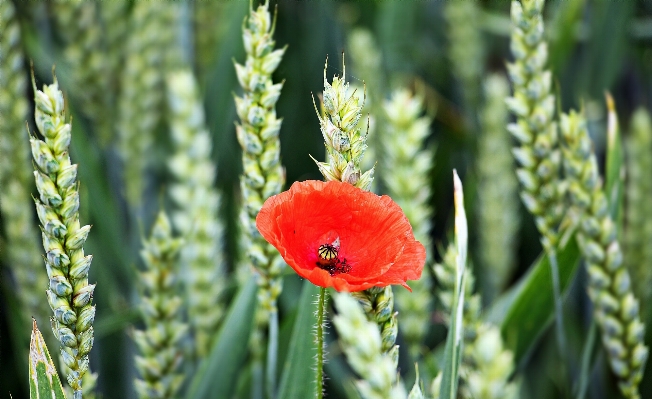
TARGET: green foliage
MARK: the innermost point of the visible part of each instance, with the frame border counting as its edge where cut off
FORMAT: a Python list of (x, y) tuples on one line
[(217, 373), (297, 380), (530, 308)]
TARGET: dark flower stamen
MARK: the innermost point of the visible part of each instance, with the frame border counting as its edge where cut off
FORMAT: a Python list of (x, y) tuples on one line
[(329, 259)]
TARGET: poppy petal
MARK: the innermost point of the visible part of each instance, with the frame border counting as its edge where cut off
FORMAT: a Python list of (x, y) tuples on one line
[(375, 245)]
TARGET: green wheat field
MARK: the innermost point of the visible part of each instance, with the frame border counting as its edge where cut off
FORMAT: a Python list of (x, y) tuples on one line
[(325, 199)]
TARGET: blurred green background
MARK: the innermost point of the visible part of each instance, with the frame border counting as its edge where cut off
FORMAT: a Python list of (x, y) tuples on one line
[(595, 46)]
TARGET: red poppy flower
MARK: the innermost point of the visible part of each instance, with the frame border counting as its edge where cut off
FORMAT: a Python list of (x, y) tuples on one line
[(337, 235)]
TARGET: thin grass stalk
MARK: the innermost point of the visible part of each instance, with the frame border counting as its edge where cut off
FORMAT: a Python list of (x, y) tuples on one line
[(69, 293), (616, 308), (159, 343), (498, 208), (264, 176), (21, 250), (197, 205), (638, 228), (406, 163), (141, 101)]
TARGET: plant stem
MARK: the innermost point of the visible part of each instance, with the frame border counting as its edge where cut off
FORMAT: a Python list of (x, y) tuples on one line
[(559, 317), (319, 367), (272, 351), (586, 359)]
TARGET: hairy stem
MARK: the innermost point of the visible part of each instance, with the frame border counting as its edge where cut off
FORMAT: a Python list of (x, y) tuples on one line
[(319, 366)]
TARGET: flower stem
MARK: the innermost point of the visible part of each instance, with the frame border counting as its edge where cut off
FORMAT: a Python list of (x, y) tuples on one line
[(319, 367), (556, 290), (272, 351)]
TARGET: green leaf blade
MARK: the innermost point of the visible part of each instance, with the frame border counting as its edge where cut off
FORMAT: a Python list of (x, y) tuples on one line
[(44, 382), (217, 376), (454, 341), (531, 308), (615, 171)]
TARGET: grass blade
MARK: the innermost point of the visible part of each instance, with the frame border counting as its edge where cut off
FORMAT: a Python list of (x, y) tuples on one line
[(532, 306), (615, 170), (297, 380), (453, 350), (217, 375), (44, 380)]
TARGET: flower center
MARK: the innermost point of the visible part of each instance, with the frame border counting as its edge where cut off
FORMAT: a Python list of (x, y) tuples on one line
[(329, 259)]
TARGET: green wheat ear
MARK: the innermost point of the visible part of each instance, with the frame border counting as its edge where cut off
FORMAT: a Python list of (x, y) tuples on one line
[(498, 207), (257, 133), (466, 50), (159, 344), (69, 293), (364, 348), (534, 106), (616, 309), (406, 164), (197, 205), (345, 140), (638, 228), (149, 48), (264, 176)]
